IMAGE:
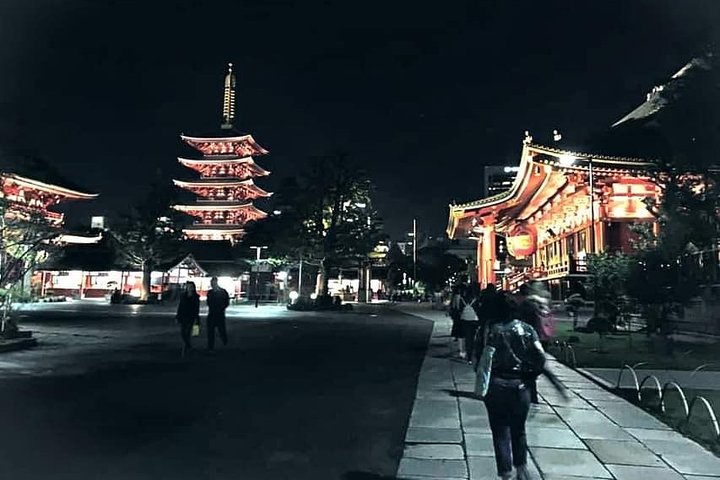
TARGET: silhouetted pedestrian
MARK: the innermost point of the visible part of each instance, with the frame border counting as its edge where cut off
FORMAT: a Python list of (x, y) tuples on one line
[(217, 301), (188, 315)]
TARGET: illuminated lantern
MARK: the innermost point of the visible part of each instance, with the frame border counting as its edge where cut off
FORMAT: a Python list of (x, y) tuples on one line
[(522, 241)]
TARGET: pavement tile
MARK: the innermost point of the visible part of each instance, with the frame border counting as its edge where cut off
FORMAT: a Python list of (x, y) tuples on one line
[(553, 438), (433, 420), (700, 477), (433, 435), (627, 472), (598, 394), (570, 402), (577, 415), (444, 408), (545, 420), (413, 477), (479, 445), (435, 451), (601, 431), (653, 434), (560, 461), (624, 453), (627, 415), (421, 467), (686, 456), (482, 468)]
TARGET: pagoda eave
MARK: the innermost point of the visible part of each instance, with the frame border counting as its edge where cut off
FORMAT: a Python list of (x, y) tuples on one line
[(246, 141)]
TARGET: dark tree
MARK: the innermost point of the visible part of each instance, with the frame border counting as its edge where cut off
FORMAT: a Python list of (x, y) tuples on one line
[(149, 233), (327, 218)]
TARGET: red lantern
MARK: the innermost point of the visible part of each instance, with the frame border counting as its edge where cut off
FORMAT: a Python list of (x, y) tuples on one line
[(522, 241)]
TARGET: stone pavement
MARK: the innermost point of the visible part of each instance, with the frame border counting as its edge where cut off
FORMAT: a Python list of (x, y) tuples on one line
[(592, 435)]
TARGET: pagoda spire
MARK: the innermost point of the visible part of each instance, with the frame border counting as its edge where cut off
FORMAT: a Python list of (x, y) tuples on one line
[(229, 99)]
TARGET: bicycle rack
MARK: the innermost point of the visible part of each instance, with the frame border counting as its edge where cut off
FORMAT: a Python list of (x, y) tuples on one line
[(635, 380), (679, 389), (710, 411), (657, 385), (570, 349)]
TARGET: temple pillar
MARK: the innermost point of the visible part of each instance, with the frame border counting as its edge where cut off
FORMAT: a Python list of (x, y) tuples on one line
[(489, 254)]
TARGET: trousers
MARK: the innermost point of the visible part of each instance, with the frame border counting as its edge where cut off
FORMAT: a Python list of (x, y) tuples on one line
[(212, 324), (186, 332), (508, 403)]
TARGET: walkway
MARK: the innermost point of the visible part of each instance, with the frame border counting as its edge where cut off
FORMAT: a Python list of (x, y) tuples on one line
[(701, 380), (592, 435)]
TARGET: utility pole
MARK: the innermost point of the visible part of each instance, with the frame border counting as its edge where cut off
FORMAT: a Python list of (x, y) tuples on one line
[(414, 252)]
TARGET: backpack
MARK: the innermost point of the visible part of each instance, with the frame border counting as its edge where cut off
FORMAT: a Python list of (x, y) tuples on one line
[(514, 350), (468, 312)]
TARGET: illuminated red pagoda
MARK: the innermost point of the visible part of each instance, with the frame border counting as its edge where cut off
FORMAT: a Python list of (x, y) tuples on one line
[(225, 189)]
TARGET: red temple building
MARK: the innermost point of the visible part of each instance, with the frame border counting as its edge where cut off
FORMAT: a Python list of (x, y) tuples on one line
[(562, 206), (27, 196), (225, 190)]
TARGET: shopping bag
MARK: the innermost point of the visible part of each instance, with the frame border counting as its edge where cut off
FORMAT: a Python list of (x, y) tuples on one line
[(482, 374), (196, 330)]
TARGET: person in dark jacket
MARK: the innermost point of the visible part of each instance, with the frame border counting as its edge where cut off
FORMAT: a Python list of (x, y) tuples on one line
[(518, 359), (188, 314), (217, 301)]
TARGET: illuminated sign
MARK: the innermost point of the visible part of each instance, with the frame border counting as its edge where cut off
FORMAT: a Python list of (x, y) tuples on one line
[(522, 241)]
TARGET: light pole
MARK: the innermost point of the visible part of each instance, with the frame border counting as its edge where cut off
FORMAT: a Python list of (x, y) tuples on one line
[(414, 253), (257, 272)]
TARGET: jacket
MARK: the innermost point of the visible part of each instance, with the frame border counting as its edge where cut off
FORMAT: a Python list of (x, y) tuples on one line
[(188, 309), (217, 301), (518, 353)]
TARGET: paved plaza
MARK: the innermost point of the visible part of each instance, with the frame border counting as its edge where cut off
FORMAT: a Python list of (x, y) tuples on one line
[(592, 435)]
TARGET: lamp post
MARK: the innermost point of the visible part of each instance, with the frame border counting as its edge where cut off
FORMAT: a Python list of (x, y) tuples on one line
[(257, 272), (414, 252)]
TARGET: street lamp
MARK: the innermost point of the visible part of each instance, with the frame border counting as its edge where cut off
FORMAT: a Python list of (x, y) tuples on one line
[(257, 272), (568, 161)]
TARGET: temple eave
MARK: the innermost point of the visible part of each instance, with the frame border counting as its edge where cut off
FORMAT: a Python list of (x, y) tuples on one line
[(50, 188)]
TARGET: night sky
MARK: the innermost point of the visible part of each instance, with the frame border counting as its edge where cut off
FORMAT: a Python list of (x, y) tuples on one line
[(422, 94)]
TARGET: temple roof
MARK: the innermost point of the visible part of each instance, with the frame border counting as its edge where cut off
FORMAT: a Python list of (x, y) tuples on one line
[(551, 156), (251, 147), (55, 189), (43, 174), (211, 205), (679, 118), (222, 182)]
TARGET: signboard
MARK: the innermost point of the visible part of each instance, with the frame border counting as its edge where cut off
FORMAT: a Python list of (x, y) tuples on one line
[(522, 241)]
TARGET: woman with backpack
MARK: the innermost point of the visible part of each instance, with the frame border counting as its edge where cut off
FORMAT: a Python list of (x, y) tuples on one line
[(509, 358), (469, 303)]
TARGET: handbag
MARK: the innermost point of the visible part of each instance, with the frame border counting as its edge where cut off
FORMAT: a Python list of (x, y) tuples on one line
[(482, 375), (484, 367), (196, 330)]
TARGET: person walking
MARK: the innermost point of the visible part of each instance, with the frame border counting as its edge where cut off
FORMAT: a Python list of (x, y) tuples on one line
[(511, 355), (454, 314), (188, 315), (217, 301), (470, 321), (533, 308)]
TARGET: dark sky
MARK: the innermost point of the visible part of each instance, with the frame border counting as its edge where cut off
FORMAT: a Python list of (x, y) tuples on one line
[(420, 93)]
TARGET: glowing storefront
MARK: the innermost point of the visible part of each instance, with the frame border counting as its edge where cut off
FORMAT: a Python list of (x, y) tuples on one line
[(562, 206)]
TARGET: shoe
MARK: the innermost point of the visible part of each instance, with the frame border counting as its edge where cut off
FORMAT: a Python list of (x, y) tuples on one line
[(505, 476), (211, 352), (522, 473)]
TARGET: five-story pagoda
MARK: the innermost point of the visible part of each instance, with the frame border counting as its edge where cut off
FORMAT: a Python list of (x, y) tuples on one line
[(225, 190)]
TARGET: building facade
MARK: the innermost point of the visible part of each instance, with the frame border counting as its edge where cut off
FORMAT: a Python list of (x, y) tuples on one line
[(561, 207), (226, 189)]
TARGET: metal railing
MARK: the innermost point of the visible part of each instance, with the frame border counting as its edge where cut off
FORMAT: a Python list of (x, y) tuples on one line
[(662, 393)]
